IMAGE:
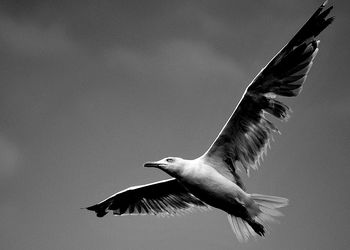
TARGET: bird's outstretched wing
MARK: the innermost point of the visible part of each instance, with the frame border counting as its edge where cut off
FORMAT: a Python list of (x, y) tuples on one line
[(246, 134), (167, 197)]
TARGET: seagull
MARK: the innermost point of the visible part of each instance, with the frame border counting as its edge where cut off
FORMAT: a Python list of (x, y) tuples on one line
[(212, 180)]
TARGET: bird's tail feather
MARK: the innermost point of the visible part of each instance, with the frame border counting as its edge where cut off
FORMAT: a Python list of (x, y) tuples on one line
[(242, 229), (268, 206)]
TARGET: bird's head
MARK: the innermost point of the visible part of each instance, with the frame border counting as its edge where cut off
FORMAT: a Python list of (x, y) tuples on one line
[(171, 165)]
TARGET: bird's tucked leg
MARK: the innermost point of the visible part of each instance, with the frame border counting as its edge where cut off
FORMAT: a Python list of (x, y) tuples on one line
[(257, 227)]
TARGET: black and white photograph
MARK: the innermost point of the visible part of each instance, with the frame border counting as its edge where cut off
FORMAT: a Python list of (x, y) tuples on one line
[(167, 125)]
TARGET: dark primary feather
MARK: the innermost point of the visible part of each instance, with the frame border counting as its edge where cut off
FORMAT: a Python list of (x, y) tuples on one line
[(246, 134), (165, 197)]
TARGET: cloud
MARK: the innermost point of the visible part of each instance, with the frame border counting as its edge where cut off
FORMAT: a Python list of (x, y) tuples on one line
[(177, 62), (31, 39), (10, 157)]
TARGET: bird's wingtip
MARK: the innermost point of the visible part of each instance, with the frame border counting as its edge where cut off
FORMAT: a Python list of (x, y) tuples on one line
[(100, 211)]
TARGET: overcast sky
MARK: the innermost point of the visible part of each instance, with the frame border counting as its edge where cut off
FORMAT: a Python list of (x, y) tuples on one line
[(90, 90)]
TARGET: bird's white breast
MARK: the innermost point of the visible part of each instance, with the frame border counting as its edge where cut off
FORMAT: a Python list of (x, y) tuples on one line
[(209, 185)]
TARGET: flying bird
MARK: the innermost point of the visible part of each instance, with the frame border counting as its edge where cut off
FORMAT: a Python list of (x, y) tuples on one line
[(212, 180)]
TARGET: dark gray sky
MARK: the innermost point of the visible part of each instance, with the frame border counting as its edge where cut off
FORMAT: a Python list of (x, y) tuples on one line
[(90, 90)]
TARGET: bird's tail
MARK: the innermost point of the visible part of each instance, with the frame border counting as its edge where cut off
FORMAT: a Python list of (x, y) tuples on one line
[(242, 229), (268, 206), (267, 209)]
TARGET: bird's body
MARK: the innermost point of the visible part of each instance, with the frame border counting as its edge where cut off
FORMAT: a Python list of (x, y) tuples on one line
[(207, 184), (201, 179), (212, 180)]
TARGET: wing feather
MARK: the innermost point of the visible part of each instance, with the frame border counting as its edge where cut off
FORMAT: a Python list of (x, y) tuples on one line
[(167, 197), (247, 133)]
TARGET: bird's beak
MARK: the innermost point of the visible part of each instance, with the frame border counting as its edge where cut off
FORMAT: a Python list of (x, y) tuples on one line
[(155, 164)]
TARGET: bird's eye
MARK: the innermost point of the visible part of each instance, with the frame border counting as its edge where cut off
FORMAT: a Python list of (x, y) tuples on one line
[(170, 160)]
